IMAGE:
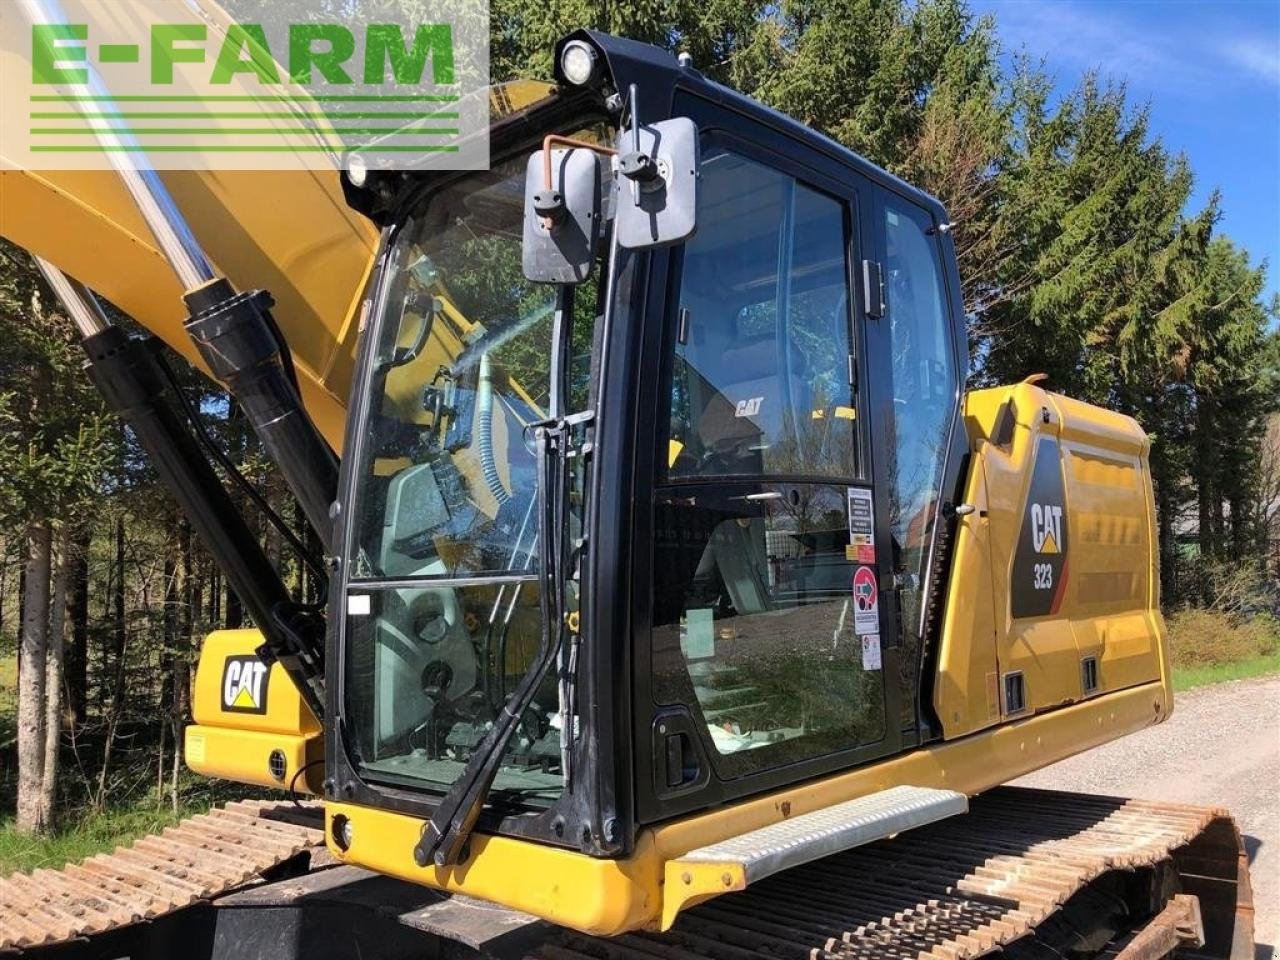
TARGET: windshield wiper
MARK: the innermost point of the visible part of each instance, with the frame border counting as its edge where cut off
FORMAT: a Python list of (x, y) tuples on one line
[(445, 836)]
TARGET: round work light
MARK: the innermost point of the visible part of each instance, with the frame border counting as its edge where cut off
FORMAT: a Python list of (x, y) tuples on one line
[(578, 62)]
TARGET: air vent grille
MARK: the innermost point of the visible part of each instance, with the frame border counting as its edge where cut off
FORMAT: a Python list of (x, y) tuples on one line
[(1089, 674), (1015, 693)]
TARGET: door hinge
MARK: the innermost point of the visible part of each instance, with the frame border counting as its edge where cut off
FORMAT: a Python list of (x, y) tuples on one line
[(873, 289)]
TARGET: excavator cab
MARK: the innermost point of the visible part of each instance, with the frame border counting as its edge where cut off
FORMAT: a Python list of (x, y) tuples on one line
[(642, 478)]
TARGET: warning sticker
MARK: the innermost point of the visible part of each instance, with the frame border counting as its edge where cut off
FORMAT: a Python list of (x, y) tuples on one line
[(870, 651), (866, 602), (862, 534)]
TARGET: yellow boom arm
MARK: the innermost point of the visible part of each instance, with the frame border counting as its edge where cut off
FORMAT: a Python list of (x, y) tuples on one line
[(288, 232)]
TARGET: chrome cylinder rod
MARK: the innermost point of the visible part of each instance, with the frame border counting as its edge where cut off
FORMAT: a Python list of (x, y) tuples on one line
[(81, 305), (154, 202)]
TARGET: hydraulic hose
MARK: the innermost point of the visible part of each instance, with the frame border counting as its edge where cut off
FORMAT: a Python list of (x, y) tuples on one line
[(484, 432)]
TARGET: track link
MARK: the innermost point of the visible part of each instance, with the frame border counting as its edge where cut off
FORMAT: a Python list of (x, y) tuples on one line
[(198, 859), (1025, 872), (953, 890)]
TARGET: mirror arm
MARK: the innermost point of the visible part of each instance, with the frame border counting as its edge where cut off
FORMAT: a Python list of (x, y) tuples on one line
[(549, 203), (637, 166)]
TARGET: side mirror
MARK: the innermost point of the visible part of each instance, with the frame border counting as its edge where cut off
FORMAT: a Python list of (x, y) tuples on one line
[(657, 198), (561, 224)]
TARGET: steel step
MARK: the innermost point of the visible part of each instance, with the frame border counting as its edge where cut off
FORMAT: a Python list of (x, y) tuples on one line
[(810, 836)]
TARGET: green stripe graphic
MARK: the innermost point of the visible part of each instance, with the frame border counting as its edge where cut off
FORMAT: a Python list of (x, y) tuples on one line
[(261, 131), (118, 53), (201, 115), (226, 148), (266, 98)]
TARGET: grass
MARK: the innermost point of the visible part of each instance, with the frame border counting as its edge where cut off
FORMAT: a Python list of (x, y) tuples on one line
[(1186, 678), (1211, 647), (92, 833), (8, 698)]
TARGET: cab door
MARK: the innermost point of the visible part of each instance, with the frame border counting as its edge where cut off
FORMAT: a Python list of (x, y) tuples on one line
[(762, 654)]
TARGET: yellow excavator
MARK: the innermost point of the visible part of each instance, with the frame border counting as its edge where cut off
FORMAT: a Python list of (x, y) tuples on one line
[(682, 603)]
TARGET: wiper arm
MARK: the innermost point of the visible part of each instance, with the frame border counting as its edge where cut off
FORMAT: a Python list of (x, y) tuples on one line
[(445, 835)]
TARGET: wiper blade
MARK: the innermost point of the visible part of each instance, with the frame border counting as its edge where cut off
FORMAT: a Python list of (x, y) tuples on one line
[(445, 835)]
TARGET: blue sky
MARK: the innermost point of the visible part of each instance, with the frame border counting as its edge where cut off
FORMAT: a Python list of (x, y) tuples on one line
[(1211, 71)]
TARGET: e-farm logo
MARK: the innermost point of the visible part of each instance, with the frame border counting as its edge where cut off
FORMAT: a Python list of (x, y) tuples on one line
[(324, 49), (183, 83)]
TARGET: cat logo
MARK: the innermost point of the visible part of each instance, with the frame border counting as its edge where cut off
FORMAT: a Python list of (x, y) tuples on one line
[(244, 685), (748, 408), (1041, 569), (1046, 527)]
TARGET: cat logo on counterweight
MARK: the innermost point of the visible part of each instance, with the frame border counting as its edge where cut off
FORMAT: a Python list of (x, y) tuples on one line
[(244, 685)]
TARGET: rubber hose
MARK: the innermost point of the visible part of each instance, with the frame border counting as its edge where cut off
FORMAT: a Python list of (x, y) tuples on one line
[(484, 420)]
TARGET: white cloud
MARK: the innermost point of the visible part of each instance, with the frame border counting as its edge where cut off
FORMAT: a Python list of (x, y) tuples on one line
[(1125, 41), (1256, 56)]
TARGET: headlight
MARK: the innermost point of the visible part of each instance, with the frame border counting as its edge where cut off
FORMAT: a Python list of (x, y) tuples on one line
[(343, 832), (578, 62), (357, 170)]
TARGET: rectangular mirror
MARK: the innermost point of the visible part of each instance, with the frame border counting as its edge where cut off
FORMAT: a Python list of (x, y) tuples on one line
[(657, 185), (561, 222)]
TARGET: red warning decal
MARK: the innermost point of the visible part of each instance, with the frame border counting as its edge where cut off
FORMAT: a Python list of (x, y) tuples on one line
[(866, 601)]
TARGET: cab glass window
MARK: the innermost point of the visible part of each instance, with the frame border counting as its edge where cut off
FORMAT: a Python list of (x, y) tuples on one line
[(761, 374), (756, 625), (756, 629), (925, 383)]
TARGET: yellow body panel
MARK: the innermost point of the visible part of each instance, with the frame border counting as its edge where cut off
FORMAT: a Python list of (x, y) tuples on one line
[(608, 897), (239, 722), (1109, 605), (966, 694)]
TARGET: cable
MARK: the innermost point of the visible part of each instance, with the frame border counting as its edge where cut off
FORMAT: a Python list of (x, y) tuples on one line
[(293, 781), (239, 479)]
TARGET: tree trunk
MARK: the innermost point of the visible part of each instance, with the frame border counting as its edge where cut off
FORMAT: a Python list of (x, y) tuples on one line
[(4, 582), (235, 613), (118, 620), (54, 675), (77, 665), (168, 655), (1204, 474), (22, 594), (189, 603), (32, 816), (120, 638), (215, 595)]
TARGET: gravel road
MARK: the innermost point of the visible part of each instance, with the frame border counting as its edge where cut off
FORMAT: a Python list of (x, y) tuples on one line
[(1221, 747)]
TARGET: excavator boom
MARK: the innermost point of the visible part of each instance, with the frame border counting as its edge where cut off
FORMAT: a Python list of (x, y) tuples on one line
[(289, 232)]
